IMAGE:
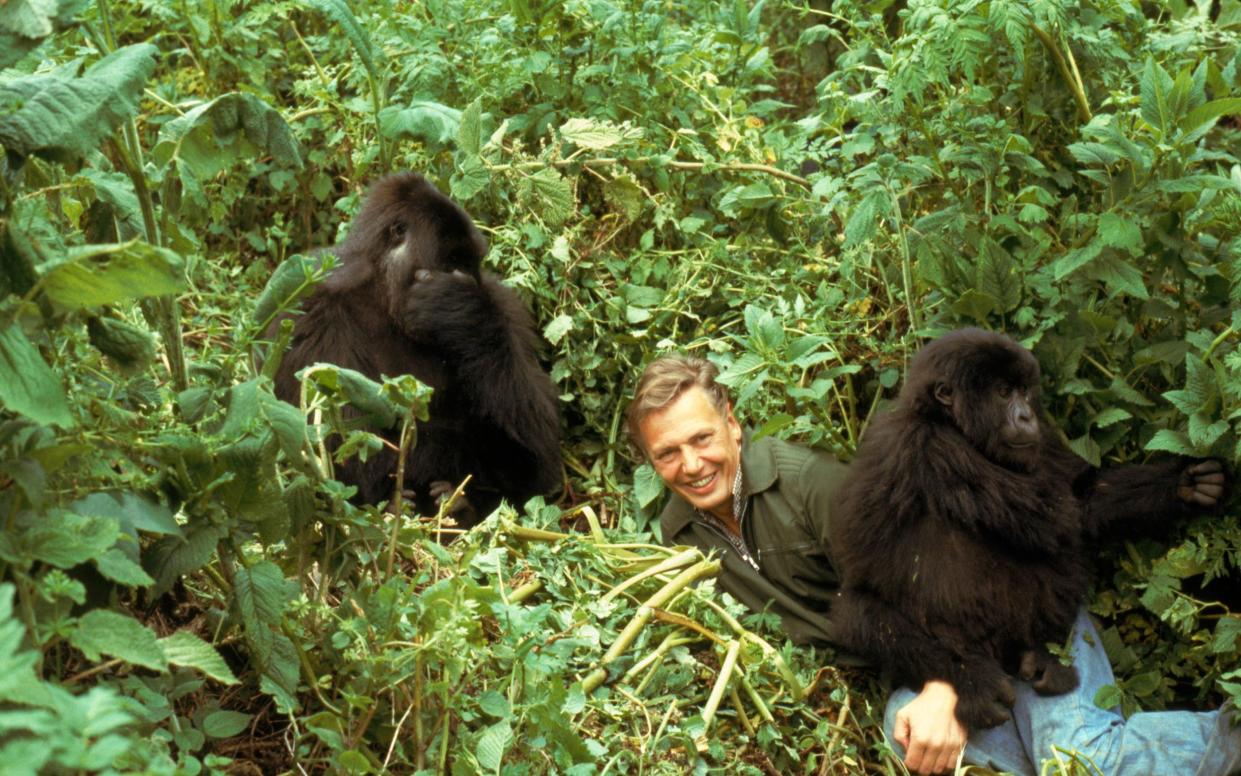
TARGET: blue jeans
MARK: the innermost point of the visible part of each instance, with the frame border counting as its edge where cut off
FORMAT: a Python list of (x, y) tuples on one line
[(1150, 743)]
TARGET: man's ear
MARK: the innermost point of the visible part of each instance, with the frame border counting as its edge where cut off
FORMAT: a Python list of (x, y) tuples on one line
[(943, 393)]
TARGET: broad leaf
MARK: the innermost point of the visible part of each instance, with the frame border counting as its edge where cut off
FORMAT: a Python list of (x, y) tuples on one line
[(27, 385), (97, 275), (214, 135), (105, 632), (68, 117), (184, 648)]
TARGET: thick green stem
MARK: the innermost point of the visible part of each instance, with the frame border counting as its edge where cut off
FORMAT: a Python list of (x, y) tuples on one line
[(1068, 71)]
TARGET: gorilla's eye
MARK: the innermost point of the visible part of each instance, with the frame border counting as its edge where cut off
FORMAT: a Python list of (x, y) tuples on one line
[(1005, 390), (396, 232)]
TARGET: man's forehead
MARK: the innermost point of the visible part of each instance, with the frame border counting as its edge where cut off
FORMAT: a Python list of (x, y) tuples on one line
[(689, 414)]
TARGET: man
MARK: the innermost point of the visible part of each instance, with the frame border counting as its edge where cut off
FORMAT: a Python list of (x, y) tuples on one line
[(764, 506)]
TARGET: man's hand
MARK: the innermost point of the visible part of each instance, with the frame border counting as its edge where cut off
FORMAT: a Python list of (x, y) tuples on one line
[(928, 729)]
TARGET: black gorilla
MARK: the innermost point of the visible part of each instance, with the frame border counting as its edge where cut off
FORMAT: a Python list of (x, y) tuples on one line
[(959, 532), (409, 297)]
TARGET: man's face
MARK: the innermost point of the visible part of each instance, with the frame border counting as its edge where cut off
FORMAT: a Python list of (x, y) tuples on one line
[(695, 450)]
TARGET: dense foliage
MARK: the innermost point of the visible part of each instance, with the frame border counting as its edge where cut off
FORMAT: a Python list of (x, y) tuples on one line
[(802, 192)]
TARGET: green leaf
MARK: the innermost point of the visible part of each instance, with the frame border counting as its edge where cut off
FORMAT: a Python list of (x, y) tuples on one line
[(550, 195), (260, 594), (470, 177), (865, 217), (69, 117), (132, 511), (99, 275), (1120, 276), (294, 279), (1170, 441), (469, 130), (368, 397), (1107, 697), (1111, 416), (492, 743), (559, 326), (597, 135), (1075, 259), (1119, 232), (64, 540), (975, 305), (339, 13), (27, 385), (1156, 87), (105, 632), (647, 485), (1227, 634), (422, 120), (116, 566), (225, 724), (999, 276), (184, 648), (213, 136), (172, 557), (1200, 120)]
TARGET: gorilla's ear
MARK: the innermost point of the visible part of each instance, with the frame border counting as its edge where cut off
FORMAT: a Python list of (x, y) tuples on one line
[(942, 393)]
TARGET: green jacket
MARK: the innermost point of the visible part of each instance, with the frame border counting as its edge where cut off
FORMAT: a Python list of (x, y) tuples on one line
[(788, 490)]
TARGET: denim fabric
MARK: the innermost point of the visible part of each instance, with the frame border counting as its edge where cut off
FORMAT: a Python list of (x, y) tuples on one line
[(1151, 743)]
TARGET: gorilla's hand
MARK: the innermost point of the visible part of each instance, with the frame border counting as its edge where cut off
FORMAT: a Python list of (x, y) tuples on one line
[(1046, 674), (450, 310), (1202, 484), (985, 694)]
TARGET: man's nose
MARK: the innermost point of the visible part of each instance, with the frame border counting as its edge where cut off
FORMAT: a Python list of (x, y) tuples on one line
[(690, 459)]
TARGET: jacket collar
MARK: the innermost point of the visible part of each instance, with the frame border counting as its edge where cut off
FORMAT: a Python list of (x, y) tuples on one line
[(758, 473)]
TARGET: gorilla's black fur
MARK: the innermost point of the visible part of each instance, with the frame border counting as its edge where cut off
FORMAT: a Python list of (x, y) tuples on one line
[(409, 297), (959, 532)]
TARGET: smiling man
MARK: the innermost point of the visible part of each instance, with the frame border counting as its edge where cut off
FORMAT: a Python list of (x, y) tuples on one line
[(763, 505)]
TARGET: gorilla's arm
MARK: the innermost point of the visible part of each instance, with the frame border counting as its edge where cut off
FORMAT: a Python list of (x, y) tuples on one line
[(1142, 497), (489, 344), (865, 624)]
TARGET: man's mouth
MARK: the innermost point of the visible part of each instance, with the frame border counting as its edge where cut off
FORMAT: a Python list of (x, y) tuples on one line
[(702, 483)]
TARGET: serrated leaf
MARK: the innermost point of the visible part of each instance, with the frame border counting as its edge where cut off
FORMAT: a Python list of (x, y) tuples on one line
[(998, 276), (1170, 441), (213, 136), (27, 385), (1087, 449), (69, 117), (1200, 120), (64, 540), (1120, 276), (132, 511), (338, 11), (597, 135), (1204, 431), (27, 18), (1227, 634), (1155, 88), (975, 305), (225, 724), (16, 662), (470, 177), (557, 328), (1119, 232), (116, 566), (105, 632), (550, 195), (864, 218), (469, 130), (1111, 416), (184, 648), (492, 744), (626, 196), (421, 119), (172, 557), (98, 275), (1075, 259)]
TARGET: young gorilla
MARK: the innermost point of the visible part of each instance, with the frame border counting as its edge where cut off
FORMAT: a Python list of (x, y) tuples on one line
[(409, 297), (959, 532)]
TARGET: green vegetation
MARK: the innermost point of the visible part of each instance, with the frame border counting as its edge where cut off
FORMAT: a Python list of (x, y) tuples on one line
[(802, 193)]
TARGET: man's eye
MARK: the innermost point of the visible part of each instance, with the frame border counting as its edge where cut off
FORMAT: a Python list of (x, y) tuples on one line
[(666, 456), (702, 439)]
